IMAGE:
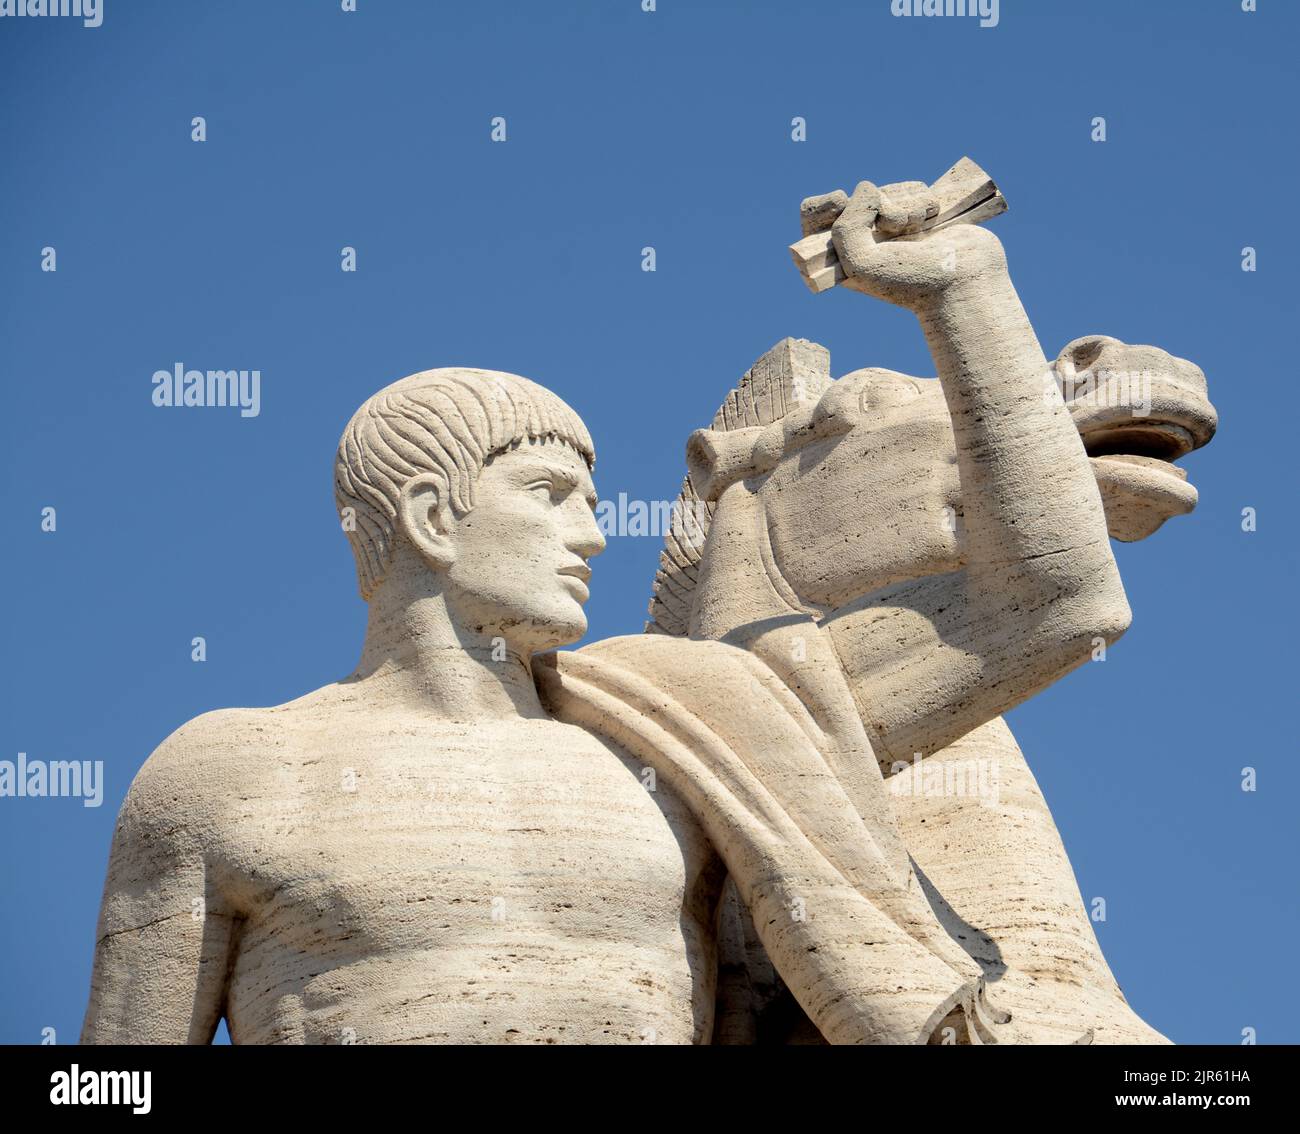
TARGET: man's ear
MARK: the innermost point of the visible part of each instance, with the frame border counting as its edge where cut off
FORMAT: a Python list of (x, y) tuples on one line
[(426, 518)]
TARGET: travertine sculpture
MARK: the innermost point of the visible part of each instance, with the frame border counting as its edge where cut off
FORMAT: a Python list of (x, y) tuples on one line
[(992, 862), (653, 839)]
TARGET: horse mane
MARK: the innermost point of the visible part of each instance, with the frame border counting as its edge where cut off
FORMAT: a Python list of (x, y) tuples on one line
[(794, 371)]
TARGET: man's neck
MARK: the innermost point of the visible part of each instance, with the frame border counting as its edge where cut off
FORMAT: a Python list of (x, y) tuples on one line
[(417, 656)]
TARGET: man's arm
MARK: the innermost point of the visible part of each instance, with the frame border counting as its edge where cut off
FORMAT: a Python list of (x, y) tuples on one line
[(930, 660), (164, 941)]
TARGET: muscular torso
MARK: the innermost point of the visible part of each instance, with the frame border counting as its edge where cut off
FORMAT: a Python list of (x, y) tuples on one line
[(426, 882)]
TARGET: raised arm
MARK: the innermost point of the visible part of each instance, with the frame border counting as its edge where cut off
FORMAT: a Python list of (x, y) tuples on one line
[(930, 660), (163, 941)]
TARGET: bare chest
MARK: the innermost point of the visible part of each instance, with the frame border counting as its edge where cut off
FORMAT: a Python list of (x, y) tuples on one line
[(462, 886)]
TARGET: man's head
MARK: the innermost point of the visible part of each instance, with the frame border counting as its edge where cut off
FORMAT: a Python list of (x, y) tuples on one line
[(484, 479)]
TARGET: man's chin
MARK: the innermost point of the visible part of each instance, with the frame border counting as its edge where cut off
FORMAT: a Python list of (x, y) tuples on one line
[(556, 629)]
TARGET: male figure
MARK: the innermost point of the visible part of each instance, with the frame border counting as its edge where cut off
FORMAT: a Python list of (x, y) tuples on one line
[(428, 852), (419, 853)]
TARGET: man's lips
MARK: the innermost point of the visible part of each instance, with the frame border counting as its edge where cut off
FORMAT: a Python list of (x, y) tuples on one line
[(580, 575)]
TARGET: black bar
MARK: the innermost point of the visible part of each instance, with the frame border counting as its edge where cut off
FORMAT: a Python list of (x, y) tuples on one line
[(358, 1082)]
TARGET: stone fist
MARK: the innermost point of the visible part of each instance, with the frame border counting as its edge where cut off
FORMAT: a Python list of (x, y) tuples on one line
[(884, 251)]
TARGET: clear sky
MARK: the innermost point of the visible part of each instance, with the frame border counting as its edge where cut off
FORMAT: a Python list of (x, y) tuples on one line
[(625, 129)]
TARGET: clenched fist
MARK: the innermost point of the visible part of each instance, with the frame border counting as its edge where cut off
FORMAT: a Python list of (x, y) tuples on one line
[(884, 253)]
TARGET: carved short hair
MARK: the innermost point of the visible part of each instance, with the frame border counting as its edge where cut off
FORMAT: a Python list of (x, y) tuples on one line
[(447, 421)]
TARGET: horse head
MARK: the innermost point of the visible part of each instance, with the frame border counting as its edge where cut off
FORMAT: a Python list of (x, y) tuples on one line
[(806, 492)]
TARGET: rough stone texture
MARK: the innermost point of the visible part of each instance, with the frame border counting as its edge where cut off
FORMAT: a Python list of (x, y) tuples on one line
[(690, 836), (995, 870), (963, 195), (1003, 886)]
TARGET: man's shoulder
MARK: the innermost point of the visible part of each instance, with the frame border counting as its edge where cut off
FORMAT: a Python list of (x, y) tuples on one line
[(217, 757)]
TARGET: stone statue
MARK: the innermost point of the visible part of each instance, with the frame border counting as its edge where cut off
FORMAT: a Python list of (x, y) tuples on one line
[(478, 837), (995, 869)]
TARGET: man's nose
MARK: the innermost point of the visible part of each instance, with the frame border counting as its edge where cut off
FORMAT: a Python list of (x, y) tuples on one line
[(585, 537)]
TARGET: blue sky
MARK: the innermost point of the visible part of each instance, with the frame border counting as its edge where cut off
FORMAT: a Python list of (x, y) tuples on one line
[(625, 129)]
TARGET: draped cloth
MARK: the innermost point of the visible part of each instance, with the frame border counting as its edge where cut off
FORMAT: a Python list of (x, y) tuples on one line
[(846, 926)]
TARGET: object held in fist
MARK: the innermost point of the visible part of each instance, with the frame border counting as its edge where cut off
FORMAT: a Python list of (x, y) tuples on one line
[(965, 195)]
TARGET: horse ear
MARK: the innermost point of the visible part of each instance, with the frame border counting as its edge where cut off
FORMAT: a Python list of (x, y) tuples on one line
[(718, 458)]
